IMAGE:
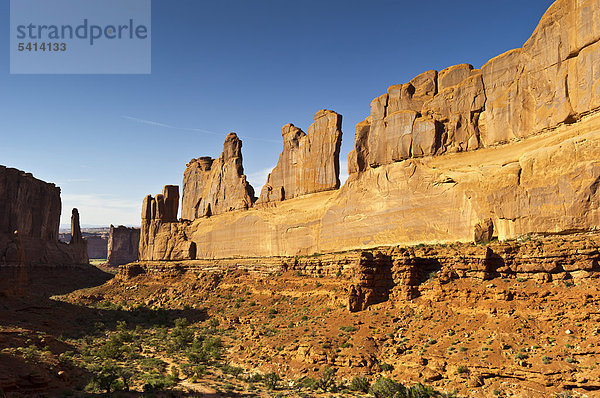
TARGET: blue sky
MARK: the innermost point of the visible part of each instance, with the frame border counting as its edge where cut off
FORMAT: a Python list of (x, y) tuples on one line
[(243, 66)]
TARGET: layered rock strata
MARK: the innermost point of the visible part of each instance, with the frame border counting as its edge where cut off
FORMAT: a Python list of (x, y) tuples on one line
[(458, 155), (309, 163), (161, 236), (214, 186), (29, 222), (397, 273), (123, 245), (552, 79)]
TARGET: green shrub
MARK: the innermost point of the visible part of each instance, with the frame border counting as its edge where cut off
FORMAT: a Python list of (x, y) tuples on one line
[(205, 349), (360, 383), (546, 360), (386, 367), (307, 382), (327, 381), (105, 378), (348, 329), (387, 388), (271, 380)]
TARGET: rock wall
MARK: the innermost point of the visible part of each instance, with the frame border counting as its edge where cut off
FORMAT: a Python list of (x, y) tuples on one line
[(29, 222), (28, 205), (460, 155), (161, 236), (309, 163), (214, 186), (397, 272), (552, 79), (97, 245), (123, 245)]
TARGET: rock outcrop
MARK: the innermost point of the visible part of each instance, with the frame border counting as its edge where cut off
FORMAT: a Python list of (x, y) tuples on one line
[(77, 243), (161, 236), (549, 81), (309, 163), (97, 245), (29, 222), (514, 144), (215, 186), (123, 245)]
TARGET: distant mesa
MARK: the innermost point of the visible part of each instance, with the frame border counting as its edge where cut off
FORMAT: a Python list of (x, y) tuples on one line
[(123, 245)]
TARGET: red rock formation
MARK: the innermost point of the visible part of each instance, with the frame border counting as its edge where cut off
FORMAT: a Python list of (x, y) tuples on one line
[(515, 143), (97, 245), (549, 81), (29, 221), (161, 236), (213, 187), (77, 243), (309, 163), (123, 245)]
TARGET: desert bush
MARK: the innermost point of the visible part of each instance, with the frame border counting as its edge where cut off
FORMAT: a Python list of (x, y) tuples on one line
[(546, 360), (360, 383), (113, 349), (271, 380), (106, 378), (306, 382), (181, 336), (387, 388), (327, 381), (386, 367), (205, 349)]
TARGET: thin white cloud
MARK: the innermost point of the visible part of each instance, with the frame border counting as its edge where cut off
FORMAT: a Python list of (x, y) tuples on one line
[(194, 129), (343, 171), (101, 209), (259, 178), (72, 180)]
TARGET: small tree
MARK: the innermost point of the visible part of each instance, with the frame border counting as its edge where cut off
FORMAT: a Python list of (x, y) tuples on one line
[(271, 380), (327, 380)]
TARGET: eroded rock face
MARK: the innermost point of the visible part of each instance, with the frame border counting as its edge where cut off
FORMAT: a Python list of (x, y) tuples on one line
[(28, 205), (161, 236), (551, 80), (123, 244), (309, 163), (484, 231), (515, 142), (77, 243), (216, 186), (29, 222)]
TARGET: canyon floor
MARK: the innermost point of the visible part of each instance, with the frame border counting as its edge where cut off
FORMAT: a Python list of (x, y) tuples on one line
[(237, 333)]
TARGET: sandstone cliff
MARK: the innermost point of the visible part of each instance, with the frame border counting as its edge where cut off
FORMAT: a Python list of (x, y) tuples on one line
[(457, 155), (29, 221), (161, 236), (309, 163), (551, 80), (214, 186), (123, 245)]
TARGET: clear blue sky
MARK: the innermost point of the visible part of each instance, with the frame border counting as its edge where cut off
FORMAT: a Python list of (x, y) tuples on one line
[(244, 66)]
